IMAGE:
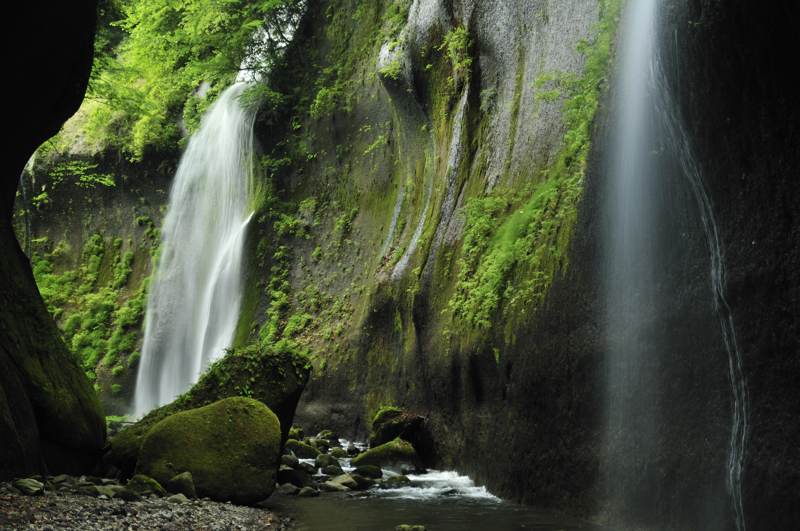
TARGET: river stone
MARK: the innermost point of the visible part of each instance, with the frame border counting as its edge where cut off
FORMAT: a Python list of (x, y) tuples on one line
[(321, 444), (352, 450), (410, 528), (288, 489), (369, 471), (330, 486), (362, 482), (182, 484), (293, 476), (393, 455), (178, 498), (332, 470), (29, 487), (346, 481), (302, 450), (390, 423), (295, 434), (141, 483), (324, 460), (290, 461), (308, 492), (338, 453), (395, 482), (231, 447)]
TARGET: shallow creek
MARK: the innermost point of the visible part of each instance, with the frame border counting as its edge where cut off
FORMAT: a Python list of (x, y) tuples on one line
[(440, 501)]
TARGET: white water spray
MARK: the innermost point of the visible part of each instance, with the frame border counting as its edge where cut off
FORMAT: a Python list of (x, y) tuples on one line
[(195, 298)]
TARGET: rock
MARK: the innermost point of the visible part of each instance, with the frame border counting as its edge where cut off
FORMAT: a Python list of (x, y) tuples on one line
[(231, 447), (362, 482), (141, 483), (395, 482), (352, 450), (177, 498), (302, 450), (296, 434), (108, 492), (410, 528), (324, 460), (308, 492), (182, 484), (293, 476), (333, 470), (308, 468), (326, 434), (330, 486), (338, 453), (391, 423), (127, 495), (369, 471), (346, 481), (290, 461), (392, 455), (321, 444), (282, 377), (288, 489), (87, 491), (28, 487)]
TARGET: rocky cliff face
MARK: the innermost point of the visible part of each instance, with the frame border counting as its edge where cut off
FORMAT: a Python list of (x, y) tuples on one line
[(50, 416), (433, 232)]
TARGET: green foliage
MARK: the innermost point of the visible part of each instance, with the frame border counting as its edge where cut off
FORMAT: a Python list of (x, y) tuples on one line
[(513, 246), (457, 44), (393, 69), (82, 172)]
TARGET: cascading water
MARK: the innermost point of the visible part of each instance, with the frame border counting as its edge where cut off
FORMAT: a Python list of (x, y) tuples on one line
[(647, 118), (194, 301)]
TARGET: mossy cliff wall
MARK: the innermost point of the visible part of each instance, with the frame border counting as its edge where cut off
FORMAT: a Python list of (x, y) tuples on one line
[(50, 418)]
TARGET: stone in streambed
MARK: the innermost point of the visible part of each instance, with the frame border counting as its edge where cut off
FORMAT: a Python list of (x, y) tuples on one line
[(231, 447), (308, 492), (338, 453), (287, 489), (182, 484), (127, 495), (332, 470), (369, 471), (395, 455), (346, 481), (324, 460), (293, 476), (308, 468), (296, 434), (290, 461), (178, 499), (410, 528), (362, 482), (321, 444), (395, 482), (141, 483), (330, 486), (302, 450)]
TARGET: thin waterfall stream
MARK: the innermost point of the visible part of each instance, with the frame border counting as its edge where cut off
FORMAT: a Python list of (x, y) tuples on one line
[(647, 117), (195, 298)]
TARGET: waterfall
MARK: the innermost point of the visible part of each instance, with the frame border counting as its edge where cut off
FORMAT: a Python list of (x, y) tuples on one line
[(637, 204), (195, 297), (679, 143)]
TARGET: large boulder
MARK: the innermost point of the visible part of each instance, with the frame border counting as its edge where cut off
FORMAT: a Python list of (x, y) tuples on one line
[(273, 377), (231, 448), (396, 455), (393, 422)]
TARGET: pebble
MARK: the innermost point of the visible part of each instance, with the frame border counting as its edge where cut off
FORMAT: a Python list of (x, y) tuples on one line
[(59, 510)]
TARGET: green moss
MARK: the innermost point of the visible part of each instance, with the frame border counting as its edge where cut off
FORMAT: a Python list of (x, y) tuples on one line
[(391, 455), (141, 483), (385, 412)]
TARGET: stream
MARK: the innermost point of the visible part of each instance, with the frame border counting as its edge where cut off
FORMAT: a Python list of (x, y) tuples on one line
[(440, 501)]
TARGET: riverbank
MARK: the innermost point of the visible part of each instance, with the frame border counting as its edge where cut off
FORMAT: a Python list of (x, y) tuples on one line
[(67, 510)]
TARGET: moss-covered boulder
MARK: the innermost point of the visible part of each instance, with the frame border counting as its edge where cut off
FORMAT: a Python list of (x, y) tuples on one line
[(395, 455), (273, 377), (143, 484), (392, 422), (231, 448), (302, 450)]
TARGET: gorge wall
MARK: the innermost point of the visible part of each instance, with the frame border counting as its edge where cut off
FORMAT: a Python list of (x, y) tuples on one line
[(430, 229)]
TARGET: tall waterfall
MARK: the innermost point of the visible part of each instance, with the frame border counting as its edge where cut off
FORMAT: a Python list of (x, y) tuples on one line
[(195, 298), (647, 122)]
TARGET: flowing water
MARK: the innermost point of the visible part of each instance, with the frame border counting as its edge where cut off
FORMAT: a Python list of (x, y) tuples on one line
[(195, 298), (648, 117), (441, 501)]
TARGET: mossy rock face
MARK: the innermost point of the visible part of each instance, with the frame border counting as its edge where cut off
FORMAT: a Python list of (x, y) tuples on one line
[(391, 422), (231, 448), (302, 450), (281, 378), (394, 455)]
